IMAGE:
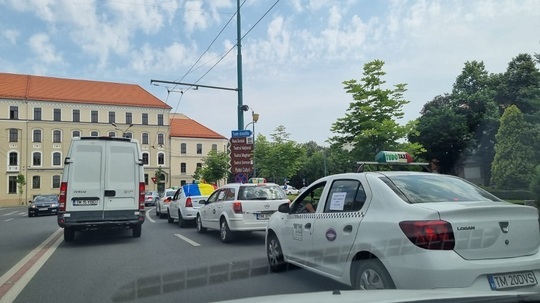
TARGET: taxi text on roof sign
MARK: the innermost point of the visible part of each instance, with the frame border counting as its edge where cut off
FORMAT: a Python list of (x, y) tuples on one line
[(390, 156)]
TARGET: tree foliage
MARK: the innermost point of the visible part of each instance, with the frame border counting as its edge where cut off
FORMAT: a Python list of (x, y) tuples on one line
[(215, 167)]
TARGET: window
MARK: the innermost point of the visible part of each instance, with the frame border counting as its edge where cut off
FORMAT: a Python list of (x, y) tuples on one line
[(214, 147), (182, 182), (345, 195), (145, 119), (112, 134), (160, 139), (94, 116), (13, 159), (161, 159), (76, 115), (75, 133), (144, 138), (36, 135), (57, 136), (146, 179), (199, 165), (13, 135), (112, 117), (12, 187), (56, 181), (57, 113), (129, 118), (94, 133), (13, 112), (183, 148), (160, 119), (145, 158), (199, 148), (183, 168), (36, 182), (37, 113), (36, 159), (57, 159), (308, 201), (128, 135)]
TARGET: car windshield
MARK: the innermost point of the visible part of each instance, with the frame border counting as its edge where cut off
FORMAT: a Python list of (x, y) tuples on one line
[(272, 192), (52, 198)]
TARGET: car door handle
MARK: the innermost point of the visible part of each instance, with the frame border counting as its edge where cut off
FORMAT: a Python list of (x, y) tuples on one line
[(307, 226), (347, 228)]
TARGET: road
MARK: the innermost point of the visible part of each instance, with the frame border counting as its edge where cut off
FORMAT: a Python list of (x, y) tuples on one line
[(167, 264)]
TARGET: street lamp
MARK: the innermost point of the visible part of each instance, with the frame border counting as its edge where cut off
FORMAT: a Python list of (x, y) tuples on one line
[(254, 118), (123, 131)]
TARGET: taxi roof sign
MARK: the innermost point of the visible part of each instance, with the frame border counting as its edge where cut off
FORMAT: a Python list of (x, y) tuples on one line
[(393, 157)]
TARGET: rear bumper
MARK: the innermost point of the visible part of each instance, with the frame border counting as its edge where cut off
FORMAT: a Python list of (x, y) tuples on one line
[(239, 224), (100, 220)]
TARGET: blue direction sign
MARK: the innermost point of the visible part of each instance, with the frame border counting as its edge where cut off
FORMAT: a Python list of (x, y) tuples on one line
[(241, 133)]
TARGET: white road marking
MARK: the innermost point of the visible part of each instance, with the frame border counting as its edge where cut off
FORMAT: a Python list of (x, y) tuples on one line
[(9, 214), (7, 220), (148, 215), (23, 213), (188, 240)]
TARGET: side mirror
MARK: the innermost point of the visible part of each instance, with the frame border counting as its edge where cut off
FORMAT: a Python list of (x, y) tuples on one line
[(284, 208)]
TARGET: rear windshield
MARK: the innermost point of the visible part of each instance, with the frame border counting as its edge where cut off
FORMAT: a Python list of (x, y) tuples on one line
[(436, 188), (270, 192)]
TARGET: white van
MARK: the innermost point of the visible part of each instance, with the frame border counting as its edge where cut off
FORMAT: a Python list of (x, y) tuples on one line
[(102, 186)]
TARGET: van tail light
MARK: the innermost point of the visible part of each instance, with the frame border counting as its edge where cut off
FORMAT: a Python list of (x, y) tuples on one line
[(433, 235), (141, 195), (237, 207), (62, 197), (188, 202)]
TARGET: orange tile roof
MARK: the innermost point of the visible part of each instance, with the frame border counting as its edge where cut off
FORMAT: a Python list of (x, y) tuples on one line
[(39, 88), (183, 126)]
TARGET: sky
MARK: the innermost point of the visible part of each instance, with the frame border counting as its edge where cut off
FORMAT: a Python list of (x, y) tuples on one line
[(295, 53)]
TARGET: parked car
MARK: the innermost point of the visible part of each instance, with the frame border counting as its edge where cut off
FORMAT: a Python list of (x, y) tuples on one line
[(43, 205), (291, 190), (237, 207), (162, 207), (412, 230), (186, 202), (151, 198)]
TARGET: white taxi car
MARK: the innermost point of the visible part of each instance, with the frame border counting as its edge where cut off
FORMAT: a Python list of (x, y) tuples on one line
[(162, 207), (238, 207), (186, 202), (376, 230)]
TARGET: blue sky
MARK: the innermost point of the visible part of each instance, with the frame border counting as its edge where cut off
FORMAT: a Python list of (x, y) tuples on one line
[(294, 59)]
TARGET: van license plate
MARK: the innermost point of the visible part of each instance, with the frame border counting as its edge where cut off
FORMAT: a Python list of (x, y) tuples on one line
[(85, 202), (510, 280)]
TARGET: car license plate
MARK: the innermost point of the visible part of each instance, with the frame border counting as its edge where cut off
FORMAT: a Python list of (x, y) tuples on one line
[(43, 208), (263, 216), (510, 280), (85, 202)]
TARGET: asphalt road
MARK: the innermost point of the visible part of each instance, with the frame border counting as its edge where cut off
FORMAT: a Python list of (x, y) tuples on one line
[(167, 264)]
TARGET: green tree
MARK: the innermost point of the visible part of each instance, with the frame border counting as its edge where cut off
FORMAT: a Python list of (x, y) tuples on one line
[(370, 123), (215, 167), (513, 164), (535, 184), (21, 182)]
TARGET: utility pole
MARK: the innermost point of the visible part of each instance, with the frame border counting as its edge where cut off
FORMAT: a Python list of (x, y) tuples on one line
[(239, 68)]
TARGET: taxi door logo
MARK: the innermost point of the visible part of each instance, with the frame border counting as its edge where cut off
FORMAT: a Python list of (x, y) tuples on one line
[(331, 234)]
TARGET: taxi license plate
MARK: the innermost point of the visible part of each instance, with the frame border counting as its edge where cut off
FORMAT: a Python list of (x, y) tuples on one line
[(510, 280), (263, 216), (85, 202), (43, 208)]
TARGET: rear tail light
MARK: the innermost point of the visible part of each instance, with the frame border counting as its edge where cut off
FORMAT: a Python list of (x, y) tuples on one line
[(433, 235), (141, 195), (237, 207), (188, 202), (62, 197)]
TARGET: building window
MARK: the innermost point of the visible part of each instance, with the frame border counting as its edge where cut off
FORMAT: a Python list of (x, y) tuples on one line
[(183, 168), (199, 165), (199, 148), (145, 119), (128, 135), (75, 133), (112, 117), (144, 138), (112, 134), (57, 159), (214, 147), (183, 148), (160, 140), (36, 135), (12, 185), (57, 114), (94, 133), (129, 118), (13, 135), (76, 115), (146, 179), (36, 182), (36, 159), (37, 113), (160, 119), (183, 182), (14, 113), (94, 116), (13, 159), (161, 159), (57, 136), (145, 158), (56, 181)]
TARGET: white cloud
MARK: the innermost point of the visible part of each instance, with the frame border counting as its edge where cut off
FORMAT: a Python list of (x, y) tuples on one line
[(11, 35), (44, 49), (194, 17)]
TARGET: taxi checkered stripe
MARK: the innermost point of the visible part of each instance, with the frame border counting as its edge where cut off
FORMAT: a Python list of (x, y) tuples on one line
[(337, 215)]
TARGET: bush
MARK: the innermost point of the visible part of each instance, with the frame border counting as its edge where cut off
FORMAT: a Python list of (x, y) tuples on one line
[(535, 185)]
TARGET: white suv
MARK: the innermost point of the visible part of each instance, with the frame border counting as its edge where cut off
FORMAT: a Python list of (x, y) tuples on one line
[(240, 207)]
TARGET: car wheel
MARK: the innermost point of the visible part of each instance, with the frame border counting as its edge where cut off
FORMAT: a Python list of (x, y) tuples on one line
[(371, 274), (137, 229), (200, 228), (226, 235), (69, 234), (181, 221), (275, 254), (169, 218)]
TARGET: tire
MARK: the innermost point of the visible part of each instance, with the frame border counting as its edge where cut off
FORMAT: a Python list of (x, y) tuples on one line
[(169, 218), (69, 234), (275, 254), (200, 228), (181, 221), (371, 274), (137, 229), (225, 233)]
